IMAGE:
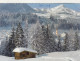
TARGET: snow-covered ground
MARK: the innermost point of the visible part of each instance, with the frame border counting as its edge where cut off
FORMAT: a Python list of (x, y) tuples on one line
[(54, 56)]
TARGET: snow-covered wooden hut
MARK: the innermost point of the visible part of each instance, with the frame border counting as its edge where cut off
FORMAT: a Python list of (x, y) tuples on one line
[(23, 53)]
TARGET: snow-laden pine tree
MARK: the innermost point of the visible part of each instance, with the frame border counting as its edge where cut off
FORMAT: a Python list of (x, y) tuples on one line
[(71, 40), (48, 39), (11, 44), (43, 40), (26, 33), (66, 42), (4, 43), (20, 38), (38, 39), (76, 41), (31, 32), (59, 48)]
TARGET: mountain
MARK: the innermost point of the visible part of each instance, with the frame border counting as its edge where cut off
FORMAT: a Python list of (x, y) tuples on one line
[(15, 7), (12, 13), (60, 12), (58, 9), (65, 17), (61, 9)]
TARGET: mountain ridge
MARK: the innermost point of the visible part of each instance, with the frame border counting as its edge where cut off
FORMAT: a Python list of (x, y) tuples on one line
[(61, 11), (15, 7)]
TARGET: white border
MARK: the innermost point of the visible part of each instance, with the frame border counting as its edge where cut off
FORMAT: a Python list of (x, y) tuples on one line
[(39, 1)]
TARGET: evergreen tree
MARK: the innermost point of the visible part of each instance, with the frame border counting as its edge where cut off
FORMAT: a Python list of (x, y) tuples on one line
[(49, 39), (76, 43), (66, 42), (43, 40), (26, 33), (11, 45), (4, 43), (20, 38), (71, 40), (59, 44), (38, 39)]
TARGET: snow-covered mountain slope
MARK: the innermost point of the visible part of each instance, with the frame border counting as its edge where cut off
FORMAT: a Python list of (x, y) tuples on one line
[(63, 10), (15, 7), (54, 56), (60, 12), (42, 10)]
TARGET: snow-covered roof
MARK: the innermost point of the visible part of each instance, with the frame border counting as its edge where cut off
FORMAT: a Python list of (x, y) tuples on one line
[(21, 49)]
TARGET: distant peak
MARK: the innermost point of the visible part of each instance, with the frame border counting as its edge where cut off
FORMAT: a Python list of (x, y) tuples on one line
[(60, 6)]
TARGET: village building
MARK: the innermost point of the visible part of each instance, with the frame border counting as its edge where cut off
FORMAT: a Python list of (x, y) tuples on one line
[(23, 53)]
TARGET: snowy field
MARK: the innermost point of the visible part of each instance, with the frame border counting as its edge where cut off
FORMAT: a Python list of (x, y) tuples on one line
[(54, 56)]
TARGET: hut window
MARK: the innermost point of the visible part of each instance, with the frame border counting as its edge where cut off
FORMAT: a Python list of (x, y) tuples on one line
[(23, 55), (27, 53)]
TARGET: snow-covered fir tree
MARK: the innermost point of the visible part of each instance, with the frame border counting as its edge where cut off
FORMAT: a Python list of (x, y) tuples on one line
[(66, 42), (49, 39), (26, 32), (4, 43), (38, 39), (43, 40), (31, 32), (20, 38), (59, 43), (71, 40), (76, 41), (11, 44)]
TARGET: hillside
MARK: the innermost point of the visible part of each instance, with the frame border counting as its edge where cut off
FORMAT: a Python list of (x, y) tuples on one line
[(15, 7)]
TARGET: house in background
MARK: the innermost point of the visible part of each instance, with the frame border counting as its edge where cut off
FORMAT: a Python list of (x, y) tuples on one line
[(23, 53)]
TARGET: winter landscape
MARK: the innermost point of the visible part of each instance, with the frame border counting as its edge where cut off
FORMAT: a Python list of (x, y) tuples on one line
[(49, 32)]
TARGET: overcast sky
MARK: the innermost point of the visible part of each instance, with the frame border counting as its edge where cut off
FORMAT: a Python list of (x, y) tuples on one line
[(70, 5)]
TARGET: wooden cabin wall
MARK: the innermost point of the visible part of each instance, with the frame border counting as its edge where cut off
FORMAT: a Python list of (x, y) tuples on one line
[(32, 55), (20, 55), (17, 55)]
